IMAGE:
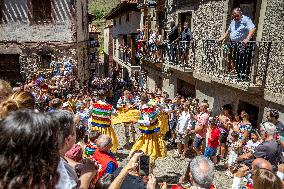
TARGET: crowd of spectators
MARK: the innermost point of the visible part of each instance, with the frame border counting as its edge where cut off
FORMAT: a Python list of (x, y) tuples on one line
[(52, 148)]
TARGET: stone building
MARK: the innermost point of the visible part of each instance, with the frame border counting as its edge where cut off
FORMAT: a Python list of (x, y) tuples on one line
[(35, 32), (203, 73), (94, 45), (120, 38)]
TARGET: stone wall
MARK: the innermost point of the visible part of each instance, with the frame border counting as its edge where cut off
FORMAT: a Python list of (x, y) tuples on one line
[(30, 54), (17, 26), (127, 27), (218, 95), (170, 86), (106, 40), (30, 62), (82, 20), (273, 31), (65, 35), (273, 21)]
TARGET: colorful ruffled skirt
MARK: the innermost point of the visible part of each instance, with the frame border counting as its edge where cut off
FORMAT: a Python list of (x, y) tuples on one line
[(109, 131), (164, 123), (151, 144)]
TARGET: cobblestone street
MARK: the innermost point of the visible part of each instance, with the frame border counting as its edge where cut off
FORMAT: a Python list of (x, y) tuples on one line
[(169, 169)]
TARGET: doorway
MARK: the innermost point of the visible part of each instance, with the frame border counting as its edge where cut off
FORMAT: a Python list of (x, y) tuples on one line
[(185, 17), (185, 89), (252, 111), (10, 68), (248, 8), (159, 83)]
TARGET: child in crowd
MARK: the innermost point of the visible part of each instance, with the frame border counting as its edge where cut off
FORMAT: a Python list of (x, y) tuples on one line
[(182, 130), (213, 139), (233, 151), (253, 142), (76, 152), (91, 144)]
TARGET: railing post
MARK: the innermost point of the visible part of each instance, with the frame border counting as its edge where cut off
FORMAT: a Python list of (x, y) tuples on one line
[(266, 63), (255, 62)]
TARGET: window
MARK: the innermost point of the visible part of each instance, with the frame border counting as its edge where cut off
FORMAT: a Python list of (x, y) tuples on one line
[(1, 10), (127, 17), (45, 61), (41, 10), (185, 17), (10, 68), (114, 22), (119, 21)]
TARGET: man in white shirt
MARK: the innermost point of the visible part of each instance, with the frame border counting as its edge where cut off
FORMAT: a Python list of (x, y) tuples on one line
[(182, 130)]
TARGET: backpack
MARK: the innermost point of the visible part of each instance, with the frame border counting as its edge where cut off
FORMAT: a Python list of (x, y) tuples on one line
[(75, 153)]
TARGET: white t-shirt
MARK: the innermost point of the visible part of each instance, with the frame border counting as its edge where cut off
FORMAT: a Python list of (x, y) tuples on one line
[(67, 176), (183, 122)]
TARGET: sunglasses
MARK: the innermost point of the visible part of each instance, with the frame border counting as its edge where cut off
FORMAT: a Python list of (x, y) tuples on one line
[(236, 16)]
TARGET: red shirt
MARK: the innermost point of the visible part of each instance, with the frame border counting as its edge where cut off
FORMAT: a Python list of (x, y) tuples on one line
[(213, 141)]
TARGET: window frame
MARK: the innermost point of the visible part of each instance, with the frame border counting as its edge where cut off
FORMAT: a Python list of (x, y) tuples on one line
[(31, 14)]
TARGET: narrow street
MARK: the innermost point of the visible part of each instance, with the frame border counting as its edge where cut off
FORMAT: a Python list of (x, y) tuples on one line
[(199, 83), (169, 169)]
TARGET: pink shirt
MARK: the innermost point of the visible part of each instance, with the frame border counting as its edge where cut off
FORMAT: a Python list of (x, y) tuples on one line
[(202, 121)]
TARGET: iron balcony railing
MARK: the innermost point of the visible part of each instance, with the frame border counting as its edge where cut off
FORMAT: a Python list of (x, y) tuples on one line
[(245, 64), (180, 54), (237, 62)]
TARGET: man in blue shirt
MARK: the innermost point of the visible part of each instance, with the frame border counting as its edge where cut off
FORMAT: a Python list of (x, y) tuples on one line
[(240, 31), (241, 28)]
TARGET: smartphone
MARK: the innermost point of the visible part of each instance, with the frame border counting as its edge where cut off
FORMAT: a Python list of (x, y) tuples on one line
[(144, 165)]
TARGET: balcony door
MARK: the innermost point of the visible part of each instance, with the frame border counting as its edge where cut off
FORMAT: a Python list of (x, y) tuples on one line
[(252, 111), (249, 8), (185, 17)]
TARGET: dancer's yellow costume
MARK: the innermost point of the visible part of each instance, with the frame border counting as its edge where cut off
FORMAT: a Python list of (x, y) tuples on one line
[(125, 113), (101, 121), (164, 116), (151, 141)]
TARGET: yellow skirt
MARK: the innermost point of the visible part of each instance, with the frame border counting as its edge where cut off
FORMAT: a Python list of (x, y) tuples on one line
[(126, 117), (152, 145), (109, 132), (164, 123)]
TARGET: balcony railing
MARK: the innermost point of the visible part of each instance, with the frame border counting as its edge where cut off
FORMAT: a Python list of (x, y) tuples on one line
[(177, 54), (180, 54), (236, 62), (124, 55)]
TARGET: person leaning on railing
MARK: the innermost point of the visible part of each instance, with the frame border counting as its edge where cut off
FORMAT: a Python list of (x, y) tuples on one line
[(173, 37), (185, 38), (241, 29)]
